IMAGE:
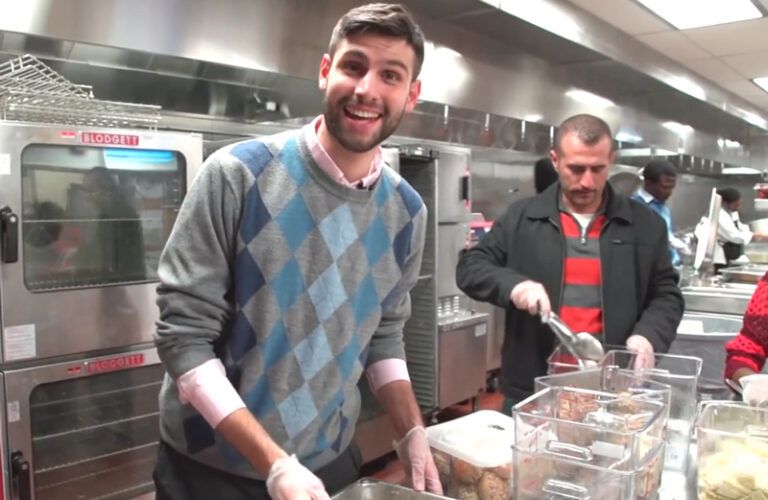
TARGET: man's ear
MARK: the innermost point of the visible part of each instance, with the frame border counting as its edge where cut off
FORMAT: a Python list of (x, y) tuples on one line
[(413, 95), (325, 69), (553, 157)]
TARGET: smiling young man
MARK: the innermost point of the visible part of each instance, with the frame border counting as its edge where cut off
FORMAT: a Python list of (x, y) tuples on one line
[(286, 277), (579, 248)]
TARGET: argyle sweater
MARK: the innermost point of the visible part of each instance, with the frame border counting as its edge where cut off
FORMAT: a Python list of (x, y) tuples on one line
[(296, 283)]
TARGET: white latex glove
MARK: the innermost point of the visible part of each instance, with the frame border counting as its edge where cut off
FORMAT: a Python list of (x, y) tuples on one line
[(754, 389), (644, 359), (420, 471), (532, 297), (289, 480)]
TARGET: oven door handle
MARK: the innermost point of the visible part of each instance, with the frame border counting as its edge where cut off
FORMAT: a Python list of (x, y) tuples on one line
[(9, 236), (21, 477)]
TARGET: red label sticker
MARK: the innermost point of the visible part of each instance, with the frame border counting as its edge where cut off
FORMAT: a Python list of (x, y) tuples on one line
[(109, 139), (113, 364)]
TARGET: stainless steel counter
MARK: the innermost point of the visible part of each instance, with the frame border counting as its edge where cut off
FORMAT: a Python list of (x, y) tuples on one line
[(678, 485)]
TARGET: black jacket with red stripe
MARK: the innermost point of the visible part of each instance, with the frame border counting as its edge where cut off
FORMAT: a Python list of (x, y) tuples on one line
[(639, 285)]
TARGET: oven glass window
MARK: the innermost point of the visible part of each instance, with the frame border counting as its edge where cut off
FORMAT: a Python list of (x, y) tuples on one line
[(96, 437), (96, 216)]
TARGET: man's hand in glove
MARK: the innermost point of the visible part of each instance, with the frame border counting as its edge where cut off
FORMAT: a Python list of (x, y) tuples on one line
[(413, 452), (289, 480), (532, 297), (754, 389), (644, 358)]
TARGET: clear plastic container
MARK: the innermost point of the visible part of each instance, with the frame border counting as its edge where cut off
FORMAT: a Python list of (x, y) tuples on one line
[(473, 455), (562, 361), (611, 379), (732, 450), (681, 373), (579, 444)]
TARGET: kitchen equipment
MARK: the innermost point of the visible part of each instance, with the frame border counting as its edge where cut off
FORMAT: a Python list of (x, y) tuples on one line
[(473, 455), (716, 299), (443, 333), (461, 343), (576, 443), (582, 345), (732, 450), (371, 489), (87, 214), (748, 273), (83, 429), (681, 373)]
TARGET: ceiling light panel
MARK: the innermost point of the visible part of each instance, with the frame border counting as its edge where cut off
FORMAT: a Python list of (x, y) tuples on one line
[(688, 14), (762, 82)]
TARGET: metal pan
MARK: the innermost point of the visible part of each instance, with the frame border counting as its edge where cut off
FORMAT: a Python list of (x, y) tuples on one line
[(370, 489)]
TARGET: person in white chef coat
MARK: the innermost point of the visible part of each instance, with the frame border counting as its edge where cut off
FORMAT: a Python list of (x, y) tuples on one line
[(732, 234)]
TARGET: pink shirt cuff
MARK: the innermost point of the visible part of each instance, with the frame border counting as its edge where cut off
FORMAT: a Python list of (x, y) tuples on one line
[(209, 391), (385, 371)]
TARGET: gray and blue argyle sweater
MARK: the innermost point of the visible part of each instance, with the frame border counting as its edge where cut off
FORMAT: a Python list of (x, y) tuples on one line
[(296, 283)]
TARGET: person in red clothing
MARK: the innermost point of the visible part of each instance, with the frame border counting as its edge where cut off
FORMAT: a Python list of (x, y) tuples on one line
[(597, 258), (748, 351)]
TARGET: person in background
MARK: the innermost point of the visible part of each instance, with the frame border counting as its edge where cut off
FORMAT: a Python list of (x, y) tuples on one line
[(746, 353), (659, 179), (732, 234), (599, 259), (544, 174), (286, 276)]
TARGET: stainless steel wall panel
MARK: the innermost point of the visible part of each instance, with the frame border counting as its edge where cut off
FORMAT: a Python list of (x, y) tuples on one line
[(478, 59)]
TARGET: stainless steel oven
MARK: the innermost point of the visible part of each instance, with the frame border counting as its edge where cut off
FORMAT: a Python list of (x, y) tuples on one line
[(85, 214), (86, 429)]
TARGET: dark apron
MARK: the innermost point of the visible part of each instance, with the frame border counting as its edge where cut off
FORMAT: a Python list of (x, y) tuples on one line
[(178, 477)]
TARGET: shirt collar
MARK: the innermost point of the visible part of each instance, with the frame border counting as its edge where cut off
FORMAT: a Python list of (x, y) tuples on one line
[(645, 195), (327, 165)]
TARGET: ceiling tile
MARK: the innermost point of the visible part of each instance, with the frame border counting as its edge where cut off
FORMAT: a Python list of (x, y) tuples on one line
[(749, 66), (734, 38), (673, 44), (744, 88), (625, 15), (713, 69)]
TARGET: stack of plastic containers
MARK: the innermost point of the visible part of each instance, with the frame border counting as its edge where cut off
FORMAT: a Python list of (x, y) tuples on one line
[(577, 443), (681, 373), (732, 451)]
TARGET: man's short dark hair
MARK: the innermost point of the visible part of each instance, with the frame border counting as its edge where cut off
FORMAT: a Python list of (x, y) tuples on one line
[(544, 174), (588, 128), (655, 169), (385, 19), (729, 195)]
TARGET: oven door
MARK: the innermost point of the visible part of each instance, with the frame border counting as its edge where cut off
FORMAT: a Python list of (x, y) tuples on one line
[(85, 429), (83, 226)]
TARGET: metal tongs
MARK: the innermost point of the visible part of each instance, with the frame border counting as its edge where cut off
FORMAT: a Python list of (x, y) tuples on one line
[(582, 345)]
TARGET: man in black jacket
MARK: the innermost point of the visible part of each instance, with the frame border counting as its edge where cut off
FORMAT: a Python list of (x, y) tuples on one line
[(598, 258)]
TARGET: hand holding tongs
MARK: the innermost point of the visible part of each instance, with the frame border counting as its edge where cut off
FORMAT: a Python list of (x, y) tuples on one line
[(582, 345)]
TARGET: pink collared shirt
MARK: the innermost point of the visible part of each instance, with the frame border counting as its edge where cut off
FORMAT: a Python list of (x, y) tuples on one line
[(327, 165), (207, 388)]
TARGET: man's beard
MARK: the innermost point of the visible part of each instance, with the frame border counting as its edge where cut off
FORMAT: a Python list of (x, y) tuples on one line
[(333, 114)]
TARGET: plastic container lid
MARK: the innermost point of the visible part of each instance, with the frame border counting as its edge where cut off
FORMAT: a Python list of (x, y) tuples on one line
[(483, 439)]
